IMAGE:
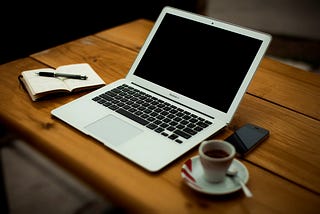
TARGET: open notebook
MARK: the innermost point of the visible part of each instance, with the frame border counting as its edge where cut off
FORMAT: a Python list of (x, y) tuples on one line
[(184, 86)]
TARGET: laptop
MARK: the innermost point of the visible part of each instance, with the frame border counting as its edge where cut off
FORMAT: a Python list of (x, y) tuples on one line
[(184, 86)]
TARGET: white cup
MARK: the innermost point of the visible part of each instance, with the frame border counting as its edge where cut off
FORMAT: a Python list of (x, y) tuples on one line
[(216, 157)]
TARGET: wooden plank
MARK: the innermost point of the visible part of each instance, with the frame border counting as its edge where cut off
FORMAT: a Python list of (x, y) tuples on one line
[(291, 87), (131, 35), (292, 149)]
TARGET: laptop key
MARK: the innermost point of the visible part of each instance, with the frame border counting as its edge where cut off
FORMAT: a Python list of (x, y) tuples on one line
[(159, 129), (113, 107), (189, 131), (173, 136), (182, 134), (152, 126), (165, 134), (202, 124), (132, 116), (179, 141)]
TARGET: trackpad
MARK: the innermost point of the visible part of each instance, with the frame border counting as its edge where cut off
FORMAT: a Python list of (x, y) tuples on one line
[(113, 130)]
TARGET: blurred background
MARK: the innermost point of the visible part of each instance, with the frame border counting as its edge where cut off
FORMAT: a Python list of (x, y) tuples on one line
[(294, 25), (31, 26)]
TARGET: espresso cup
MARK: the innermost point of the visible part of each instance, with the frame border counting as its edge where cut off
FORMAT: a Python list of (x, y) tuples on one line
[(216, 157)]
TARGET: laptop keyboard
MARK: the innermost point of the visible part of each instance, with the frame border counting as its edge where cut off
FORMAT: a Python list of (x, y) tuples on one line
[(158, 115)]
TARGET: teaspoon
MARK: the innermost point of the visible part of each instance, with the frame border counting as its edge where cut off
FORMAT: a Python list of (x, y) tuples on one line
[(233, 173)]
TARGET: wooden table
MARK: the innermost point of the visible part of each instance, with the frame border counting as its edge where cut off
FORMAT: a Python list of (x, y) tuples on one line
[(284, 170)]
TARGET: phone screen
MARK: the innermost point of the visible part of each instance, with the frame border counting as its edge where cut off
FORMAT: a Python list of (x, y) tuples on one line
[(247, 138)]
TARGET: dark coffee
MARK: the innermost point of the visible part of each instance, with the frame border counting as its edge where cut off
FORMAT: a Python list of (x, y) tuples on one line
[(216, 153)]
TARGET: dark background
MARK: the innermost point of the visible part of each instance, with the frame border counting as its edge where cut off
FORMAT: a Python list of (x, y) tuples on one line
[(31, 26)]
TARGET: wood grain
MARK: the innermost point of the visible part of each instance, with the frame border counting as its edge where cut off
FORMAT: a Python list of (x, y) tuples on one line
[(292, 149), (287, 86), (131, 35), (283, 170)]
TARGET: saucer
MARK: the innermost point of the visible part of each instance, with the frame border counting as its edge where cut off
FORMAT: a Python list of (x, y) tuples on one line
[(192, 174)]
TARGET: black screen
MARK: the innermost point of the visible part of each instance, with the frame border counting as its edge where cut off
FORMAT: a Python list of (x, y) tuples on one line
[(199, 61)]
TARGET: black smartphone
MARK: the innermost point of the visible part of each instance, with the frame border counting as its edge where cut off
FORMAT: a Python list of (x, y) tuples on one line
[(247, 137)]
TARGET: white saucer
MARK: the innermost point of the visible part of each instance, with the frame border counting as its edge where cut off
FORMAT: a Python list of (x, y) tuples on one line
[(192, 174)]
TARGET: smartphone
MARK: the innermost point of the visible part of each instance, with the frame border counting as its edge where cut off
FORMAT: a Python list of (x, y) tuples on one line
[(247, 137)]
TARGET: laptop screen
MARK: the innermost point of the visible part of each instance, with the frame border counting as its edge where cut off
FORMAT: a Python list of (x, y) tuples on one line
[(199, 61)]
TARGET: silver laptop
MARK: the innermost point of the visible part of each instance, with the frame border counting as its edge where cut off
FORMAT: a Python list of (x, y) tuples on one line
[(184, 86)]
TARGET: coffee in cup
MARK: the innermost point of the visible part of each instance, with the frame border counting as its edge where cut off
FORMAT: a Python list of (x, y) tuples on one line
[(216, 157)]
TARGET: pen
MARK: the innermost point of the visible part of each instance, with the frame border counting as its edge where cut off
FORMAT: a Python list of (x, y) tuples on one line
[(71, 76)]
